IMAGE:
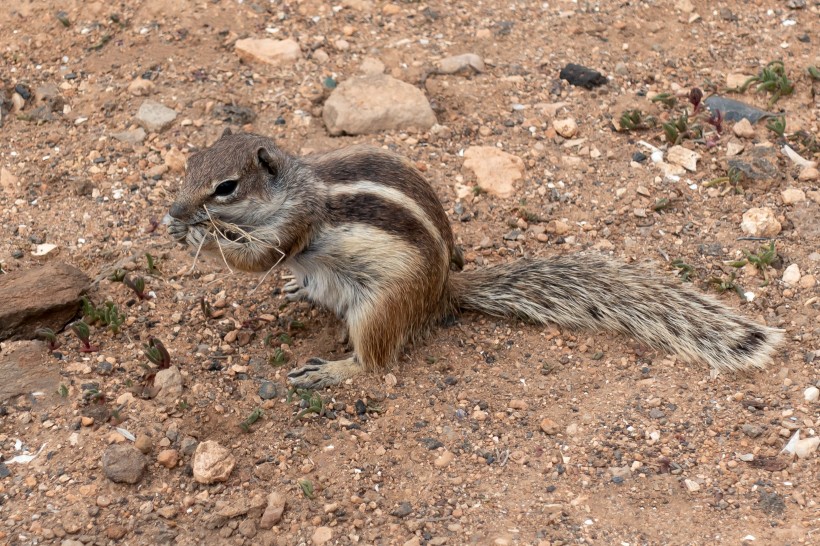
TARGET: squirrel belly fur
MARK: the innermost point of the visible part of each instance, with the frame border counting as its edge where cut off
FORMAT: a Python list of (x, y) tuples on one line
[(366, 236)]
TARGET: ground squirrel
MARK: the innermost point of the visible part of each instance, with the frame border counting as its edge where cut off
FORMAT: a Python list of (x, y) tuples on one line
[(366, 237)]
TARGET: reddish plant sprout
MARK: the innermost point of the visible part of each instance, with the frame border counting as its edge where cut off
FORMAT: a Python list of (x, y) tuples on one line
[(156, 352), (48, 335), (137, 284), (83, 333), (716, 121), (696, 98)]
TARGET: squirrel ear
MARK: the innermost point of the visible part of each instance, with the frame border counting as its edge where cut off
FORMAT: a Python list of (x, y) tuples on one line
[(226, 132), (267, 161)]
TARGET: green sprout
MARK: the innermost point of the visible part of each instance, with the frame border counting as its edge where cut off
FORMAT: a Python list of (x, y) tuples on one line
[(48, 335), (251, 419), (772, 79), (83, 333), (157, 354)]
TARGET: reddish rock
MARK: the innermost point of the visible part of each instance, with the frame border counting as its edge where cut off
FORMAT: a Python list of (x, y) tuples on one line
[(41, 297)]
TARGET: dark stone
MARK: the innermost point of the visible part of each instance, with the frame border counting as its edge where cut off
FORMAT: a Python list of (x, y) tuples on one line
[(430, 443), (403, 510), (638, 157), (268, 390), (582, 76), (235, 115)]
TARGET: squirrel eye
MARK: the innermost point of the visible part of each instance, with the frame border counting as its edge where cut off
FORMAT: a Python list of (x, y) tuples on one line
[(226, 188)]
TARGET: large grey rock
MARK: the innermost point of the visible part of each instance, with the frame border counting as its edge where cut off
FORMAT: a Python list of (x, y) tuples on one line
[(376, 102), (123, 463), (26, 368), (42, 297), (155, 117)]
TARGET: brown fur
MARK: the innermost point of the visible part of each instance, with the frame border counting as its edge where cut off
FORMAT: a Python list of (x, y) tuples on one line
[(366, 236)]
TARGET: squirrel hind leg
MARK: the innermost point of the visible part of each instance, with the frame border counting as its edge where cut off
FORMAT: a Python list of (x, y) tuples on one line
[(318, 373)]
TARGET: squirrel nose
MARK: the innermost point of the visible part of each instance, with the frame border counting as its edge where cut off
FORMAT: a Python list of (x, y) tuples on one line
[(178, 211)]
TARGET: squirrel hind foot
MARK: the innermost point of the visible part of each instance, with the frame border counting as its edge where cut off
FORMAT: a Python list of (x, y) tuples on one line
[(318, 373)]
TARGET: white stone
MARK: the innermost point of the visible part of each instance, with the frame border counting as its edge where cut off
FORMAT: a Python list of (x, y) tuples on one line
[(683, 157), (212, 463), (169, 383), (807, 446), (376, 102), (155, 117), (141, 87), (268, 51), (567, 128), (811, 394), (743, 129), (495, 170), (793, 196), (760, 222), (457, 63), (809, 173), (791, 276), (321, 535), (371, 65)]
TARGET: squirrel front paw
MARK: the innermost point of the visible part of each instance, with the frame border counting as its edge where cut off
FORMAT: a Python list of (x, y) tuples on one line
[(318, 373), (295, 291)]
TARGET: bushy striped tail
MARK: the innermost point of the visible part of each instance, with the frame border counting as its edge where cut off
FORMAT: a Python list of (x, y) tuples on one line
[(592, 292)]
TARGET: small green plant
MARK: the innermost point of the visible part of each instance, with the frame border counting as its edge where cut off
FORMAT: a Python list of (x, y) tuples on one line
[(678, 129), (661, 204), (762, 260), (157, 354), (312, 402), (734, 177), (117, 275), (183, 405), (725, 284), (667, 99), (814, 73), (684, 268), (110, 316), (777, 125), (635, 120), (83, 333), (63, 391), (254, 416), (478, 190), (278, 357), (137, 284), (772, 79), (48, 335), (307, 488), (152, 268)]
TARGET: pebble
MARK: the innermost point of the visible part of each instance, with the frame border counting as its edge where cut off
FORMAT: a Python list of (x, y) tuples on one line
[(212, 463), (247, 528), (376, 102), (683, 157), (268, 390), (549, 426), (752, 431), (141, 87), (743, 129), (519, 404), (370, 65), (444, 459), (268, 51), (494, 169), (760, 222), (168, 458), (811, 394), (791, 276), (457, 63), (123, 463), (274, 510), (792, 196), (155, 117), (131, 136), (809, 174), (321, 535), (807, 281), (169, 383), (691, 485), (175, 160), (567, 127), (143, 443), (805, 447)]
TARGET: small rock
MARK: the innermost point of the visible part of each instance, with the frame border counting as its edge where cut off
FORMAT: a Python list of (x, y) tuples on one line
[(212, 463), (582, 76), (403, 510), (518, 404), (377, 102), (550, 427), (40, 297), (743, 129), (457, 63), (268, 390), (792, 196), (168, 458), (735, 80), (691, 485), (807, 281), (175, 160), (760, 222), (811, 394), (805, 447), (123, 463), (444, 459), (8, 182), (247, 528), (274, 510), (683, 157), (268, 51), (141, 87), (321, 535), (752, 431), (370, 66), (558, 227), (169, 384), (115, 532), (144, 443), (494, 169), (155, 117), (567, 128), (791, 276), (808, 174), (132, 136)]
